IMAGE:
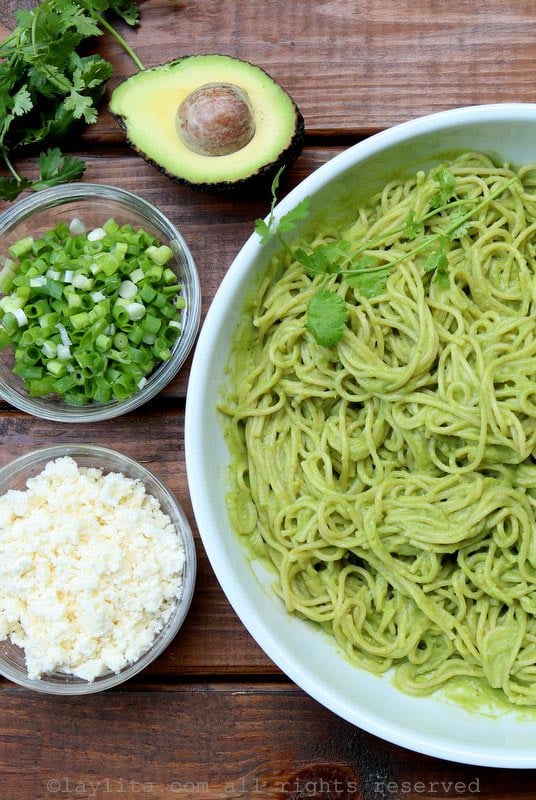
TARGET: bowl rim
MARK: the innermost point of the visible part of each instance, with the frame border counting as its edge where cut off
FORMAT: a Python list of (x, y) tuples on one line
[(195, 421), (39, 457), (79, 190)]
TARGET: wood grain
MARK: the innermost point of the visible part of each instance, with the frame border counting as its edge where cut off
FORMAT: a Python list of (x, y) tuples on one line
[(216, 741), (353, 68)]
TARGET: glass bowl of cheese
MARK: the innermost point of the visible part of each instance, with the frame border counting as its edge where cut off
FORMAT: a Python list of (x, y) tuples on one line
[(97, 568)]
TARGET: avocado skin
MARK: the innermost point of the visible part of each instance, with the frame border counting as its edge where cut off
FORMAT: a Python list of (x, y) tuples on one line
[(260, 177)]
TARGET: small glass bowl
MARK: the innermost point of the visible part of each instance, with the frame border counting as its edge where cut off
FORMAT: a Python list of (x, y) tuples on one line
[(14, 476), (94, 204)]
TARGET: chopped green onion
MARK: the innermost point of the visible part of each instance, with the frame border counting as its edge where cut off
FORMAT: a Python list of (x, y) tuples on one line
[(128, 290), (89, 315), (96, 234), (21, 317), (160, 255), (137, 275), (81, 281), (56, 367), (135, 311), (77, 227), (7, 275), (21, 247), (39, 281)]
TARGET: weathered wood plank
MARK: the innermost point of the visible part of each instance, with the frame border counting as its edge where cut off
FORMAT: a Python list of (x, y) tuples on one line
[(210, 742), (351, 67), (213, 639)]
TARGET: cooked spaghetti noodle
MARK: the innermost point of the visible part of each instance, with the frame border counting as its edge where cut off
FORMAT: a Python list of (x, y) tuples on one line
[(391, 479)]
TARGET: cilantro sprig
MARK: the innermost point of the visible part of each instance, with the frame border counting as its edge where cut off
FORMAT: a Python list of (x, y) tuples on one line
[(54, 168), (47, 86), (287, 223), (327, 312)]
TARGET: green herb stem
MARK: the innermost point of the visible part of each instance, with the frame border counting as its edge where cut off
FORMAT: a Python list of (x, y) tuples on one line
[(283, 244), (117, 36), (10, 166), (374, 243), (430, 240)]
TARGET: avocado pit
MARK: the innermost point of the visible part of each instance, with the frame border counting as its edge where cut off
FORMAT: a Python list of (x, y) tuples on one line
[(216, 119)]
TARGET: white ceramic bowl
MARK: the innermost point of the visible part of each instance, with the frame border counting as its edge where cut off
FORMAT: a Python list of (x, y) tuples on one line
[(428, 725)]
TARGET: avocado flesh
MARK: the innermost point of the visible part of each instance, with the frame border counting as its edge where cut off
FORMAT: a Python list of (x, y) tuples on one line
[(146, 104)]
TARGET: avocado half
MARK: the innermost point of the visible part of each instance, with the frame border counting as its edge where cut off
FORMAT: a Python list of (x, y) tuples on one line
[(211, 122)]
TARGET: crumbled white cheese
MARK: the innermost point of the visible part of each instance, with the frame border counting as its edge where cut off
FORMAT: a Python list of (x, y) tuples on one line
[(90, 570)]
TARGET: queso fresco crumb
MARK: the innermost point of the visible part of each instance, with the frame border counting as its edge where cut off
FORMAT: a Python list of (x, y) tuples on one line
[(90, 569)]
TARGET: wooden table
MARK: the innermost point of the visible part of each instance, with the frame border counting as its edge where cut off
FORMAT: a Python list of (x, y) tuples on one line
[(213, 717)]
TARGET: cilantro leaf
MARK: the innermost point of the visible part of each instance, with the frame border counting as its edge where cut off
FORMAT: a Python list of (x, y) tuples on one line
[(324, 258), (327, 314), (461, 229), (10, 188), (23, 18), (76, 17), (49, 162), (442, 277), (289, 221), (90, 71), (437, 262), (126, 9), (368, 283), (413, 227), (80, 105), (22, 102), (55, 169), (262, 229), (447, 185)]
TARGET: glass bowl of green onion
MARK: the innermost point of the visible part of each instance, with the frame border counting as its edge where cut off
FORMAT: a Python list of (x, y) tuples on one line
[(100, 302)]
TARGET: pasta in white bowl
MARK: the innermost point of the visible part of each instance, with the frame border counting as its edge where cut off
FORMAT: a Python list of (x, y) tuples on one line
[(375, 380)]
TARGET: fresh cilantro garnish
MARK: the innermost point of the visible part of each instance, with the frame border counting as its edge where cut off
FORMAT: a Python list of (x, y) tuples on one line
[(461, 228), (437, 263), (369, 281), (437, 260), (442, 276), (327, 312), (447, 185), (54, 168), (324, 258), (10, 188), (46, 86), (264, 229), (413, 227), (326, 317), (287, 223)]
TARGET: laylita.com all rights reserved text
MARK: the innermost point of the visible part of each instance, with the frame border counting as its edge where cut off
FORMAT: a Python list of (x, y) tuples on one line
[(315, 787)]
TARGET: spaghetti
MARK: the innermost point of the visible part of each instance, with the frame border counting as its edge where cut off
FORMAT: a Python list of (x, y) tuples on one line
[(390, 480)]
